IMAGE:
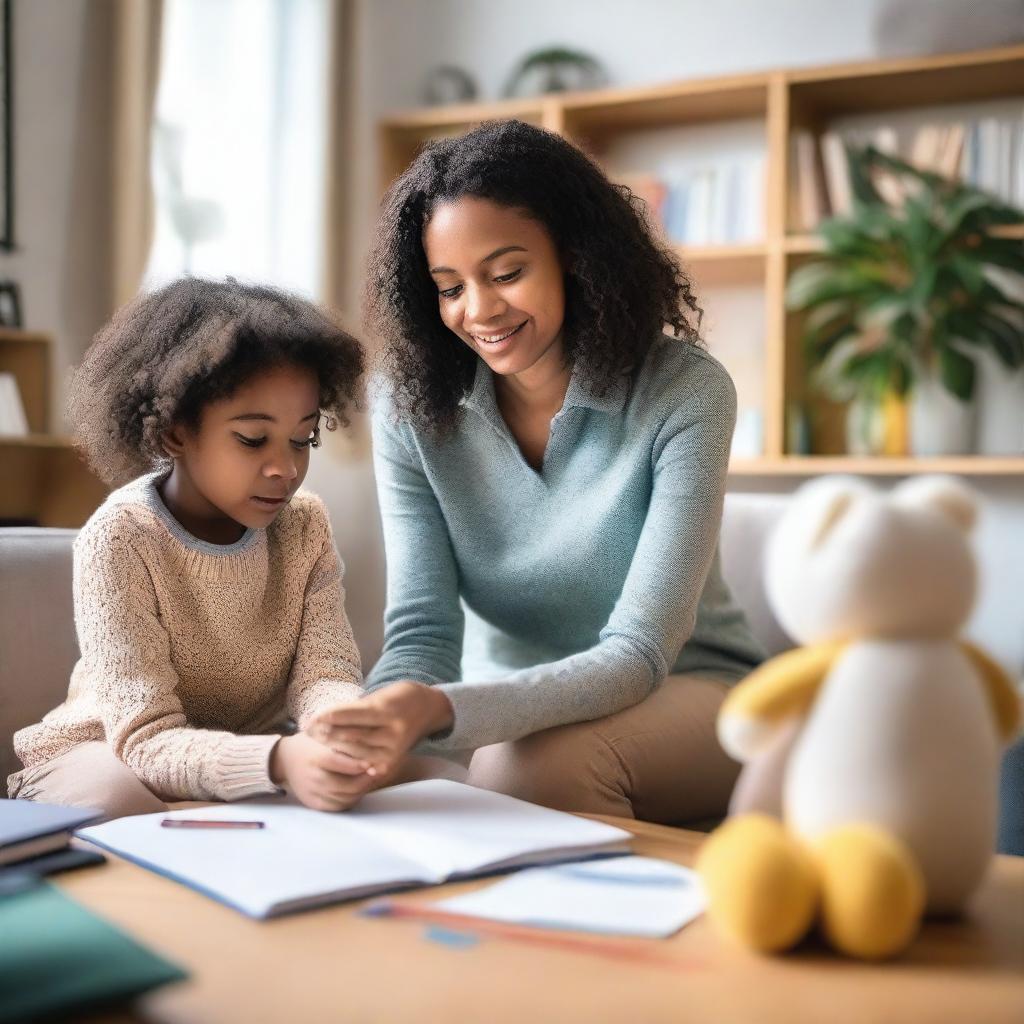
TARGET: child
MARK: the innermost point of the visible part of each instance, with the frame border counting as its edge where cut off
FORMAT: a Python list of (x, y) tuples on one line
[(208, 592), (551, 468)]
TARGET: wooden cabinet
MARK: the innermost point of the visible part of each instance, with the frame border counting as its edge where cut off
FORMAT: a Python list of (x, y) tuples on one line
[(43, 480)]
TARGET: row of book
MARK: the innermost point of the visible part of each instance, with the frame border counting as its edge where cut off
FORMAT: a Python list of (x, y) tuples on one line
[(714, 205), (13, 421), (987, 153)]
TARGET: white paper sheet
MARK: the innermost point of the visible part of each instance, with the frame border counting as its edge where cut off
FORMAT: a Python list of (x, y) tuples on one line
[(637, 896)]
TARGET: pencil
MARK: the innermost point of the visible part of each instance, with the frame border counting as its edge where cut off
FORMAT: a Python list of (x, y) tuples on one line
[(208, 823), (621, 951)]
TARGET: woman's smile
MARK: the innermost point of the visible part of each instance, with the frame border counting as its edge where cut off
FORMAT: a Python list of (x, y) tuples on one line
[(494, 341)]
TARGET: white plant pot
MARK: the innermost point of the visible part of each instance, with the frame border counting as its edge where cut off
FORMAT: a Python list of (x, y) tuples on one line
[(940, 423), (1000, 398), (865, 427)]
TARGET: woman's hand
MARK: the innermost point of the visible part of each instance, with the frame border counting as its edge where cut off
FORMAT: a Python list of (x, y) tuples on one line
[(384, 726), (322, 778)]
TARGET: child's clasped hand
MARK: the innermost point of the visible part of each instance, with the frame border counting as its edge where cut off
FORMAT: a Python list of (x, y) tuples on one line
[(384, 726)]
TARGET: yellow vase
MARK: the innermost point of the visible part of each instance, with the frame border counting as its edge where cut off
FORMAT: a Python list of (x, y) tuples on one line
[(896, 433)]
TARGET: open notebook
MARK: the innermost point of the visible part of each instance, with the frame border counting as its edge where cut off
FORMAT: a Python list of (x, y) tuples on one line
[(420, 833)]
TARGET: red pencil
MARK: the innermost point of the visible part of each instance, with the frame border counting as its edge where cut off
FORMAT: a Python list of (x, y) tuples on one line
[(611, 949), (208, 823)]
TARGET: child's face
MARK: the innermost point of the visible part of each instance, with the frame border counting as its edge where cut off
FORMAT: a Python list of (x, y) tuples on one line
[(500, 283), (251, 450)]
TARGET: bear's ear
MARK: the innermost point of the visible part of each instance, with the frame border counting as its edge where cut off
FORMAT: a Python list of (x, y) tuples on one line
[(831, 513), (823, 503), (943, 494)]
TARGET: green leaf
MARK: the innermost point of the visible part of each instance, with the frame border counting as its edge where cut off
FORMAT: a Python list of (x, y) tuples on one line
[(818, 345), (823, 281), (1000, 252), (960, 209), (863, 188), (1005, 339), (970, 273), (956, 372)]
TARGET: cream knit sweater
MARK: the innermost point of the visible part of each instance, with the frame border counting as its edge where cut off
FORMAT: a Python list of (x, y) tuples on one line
[(194, 655)]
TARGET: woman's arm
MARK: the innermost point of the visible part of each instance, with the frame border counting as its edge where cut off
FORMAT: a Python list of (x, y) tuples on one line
[(325, 671), (651, 621), (423, 624), (126, 659)]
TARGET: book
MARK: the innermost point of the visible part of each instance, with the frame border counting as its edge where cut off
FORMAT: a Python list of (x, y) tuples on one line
[(59, 959), (407, 836), (833, 155), (809, 204), (30, 829), (652, 191)]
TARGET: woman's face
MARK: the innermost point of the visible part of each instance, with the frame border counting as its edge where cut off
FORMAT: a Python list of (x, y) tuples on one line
[(499, 282)]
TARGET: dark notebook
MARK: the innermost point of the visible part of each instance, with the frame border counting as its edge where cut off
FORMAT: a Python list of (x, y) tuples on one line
[(56, 957), (30, 829)]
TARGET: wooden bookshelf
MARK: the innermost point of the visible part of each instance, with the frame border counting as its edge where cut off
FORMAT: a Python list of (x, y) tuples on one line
[(786, 101), (45, 481)]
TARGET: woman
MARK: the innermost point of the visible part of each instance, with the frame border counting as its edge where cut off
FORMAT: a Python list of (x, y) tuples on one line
[(551, 469)]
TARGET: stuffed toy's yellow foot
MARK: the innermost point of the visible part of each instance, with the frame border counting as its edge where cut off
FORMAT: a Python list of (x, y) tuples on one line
[(872, 891), (761, 883)]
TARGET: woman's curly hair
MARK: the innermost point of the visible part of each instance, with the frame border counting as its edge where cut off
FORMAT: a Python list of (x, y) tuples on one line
[(167, 354), (622, 288)]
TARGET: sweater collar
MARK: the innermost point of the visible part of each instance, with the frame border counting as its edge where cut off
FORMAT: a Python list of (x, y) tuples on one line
[(580, 395)]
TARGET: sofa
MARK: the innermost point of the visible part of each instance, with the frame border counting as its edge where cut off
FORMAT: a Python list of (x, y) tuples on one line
[(38, 647)]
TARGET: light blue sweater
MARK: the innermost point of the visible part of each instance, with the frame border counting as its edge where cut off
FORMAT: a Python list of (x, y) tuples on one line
[(580, 586)]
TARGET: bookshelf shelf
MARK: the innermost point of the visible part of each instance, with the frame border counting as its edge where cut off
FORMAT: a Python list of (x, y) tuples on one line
[(785, 102), (724, 265), (799, 245), (813, 465)]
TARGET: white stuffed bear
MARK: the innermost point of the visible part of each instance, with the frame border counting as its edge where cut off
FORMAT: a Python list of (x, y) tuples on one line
[(890, 728)]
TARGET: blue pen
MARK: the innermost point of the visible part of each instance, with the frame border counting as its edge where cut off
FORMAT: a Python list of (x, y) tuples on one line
[(665, 881)]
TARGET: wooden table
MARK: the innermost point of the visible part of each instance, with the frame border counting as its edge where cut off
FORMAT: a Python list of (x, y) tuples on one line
[(333, 965)]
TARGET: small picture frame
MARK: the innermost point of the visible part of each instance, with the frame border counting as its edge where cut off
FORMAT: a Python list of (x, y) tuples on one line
[(10, 304)]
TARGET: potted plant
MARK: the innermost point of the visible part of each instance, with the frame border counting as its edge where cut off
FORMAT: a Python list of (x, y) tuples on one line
[(907, 292)]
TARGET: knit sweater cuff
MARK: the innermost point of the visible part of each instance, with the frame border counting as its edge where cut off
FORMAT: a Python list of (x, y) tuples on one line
[(474, 722), (243, 767)]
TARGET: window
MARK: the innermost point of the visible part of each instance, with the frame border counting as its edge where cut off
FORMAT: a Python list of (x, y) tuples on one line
[(239, 142)]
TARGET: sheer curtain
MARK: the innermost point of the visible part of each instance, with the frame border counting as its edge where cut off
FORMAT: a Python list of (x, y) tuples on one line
[(240, 142)]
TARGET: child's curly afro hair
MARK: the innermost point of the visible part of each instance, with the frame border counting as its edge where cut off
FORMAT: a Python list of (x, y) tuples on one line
[(168, 353), (622, 288)]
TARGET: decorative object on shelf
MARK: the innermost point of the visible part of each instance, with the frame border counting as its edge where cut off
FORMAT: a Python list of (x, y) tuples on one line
[(905, 296), (1000, 425), (555, 69), (748, 436), (448, 84), (10, 303), (6, 132), (13, 421)]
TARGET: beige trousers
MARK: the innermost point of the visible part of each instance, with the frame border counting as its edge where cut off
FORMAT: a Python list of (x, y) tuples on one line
[(657, 761), (89, 775)]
